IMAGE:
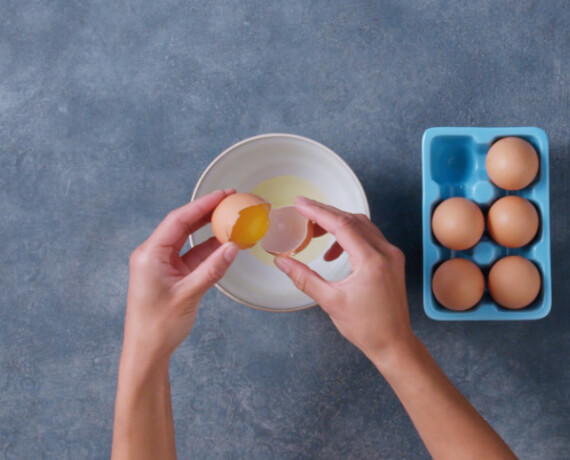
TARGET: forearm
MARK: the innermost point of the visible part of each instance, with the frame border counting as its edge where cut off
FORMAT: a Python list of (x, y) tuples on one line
[(144, 425), (447, 423)]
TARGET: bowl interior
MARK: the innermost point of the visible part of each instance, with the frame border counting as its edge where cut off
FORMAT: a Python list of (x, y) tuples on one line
[(245, 165)]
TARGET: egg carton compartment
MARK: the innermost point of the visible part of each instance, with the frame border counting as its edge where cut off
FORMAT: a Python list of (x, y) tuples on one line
[(453, 161)]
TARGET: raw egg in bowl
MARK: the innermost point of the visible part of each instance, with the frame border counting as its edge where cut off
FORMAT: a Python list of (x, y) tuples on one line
[(269, 171)]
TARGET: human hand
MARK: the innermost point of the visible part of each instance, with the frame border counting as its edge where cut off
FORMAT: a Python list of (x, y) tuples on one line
[(165, 288), (369, 307)]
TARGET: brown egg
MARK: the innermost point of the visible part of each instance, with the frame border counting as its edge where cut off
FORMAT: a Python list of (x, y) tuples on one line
[(512, 163), (514, 282), (458, 223), (458, 284), (242, 218), (512, 221)]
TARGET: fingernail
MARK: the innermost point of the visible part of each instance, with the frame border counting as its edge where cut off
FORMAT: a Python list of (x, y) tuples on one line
[(283, 264), (302, 200), (230, 252), (229, 190)]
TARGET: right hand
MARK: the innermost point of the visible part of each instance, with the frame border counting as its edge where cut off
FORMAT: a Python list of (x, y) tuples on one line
[(369, 307)]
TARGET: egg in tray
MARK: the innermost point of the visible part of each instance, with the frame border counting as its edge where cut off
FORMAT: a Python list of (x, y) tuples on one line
[(486, 238)]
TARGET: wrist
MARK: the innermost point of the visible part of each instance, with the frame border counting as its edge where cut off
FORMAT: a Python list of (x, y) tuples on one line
[(398, 354), (141, 364), (145, 346)]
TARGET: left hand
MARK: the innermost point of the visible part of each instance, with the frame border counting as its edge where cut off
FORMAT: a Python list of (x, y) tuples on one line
[(165, 288)]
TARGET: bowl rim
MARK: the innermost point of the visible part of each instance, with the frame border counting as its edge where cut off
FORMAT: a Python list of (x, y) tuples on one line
[(269, 136)]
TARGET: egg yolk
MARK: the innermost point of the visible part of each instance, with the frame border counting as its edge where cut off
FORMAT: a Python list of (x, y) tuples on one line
[(250, 227)]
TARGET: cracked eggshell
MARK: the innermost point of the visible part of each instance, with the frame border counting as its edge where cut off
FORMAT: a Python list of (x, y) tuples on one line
[(289, 232)]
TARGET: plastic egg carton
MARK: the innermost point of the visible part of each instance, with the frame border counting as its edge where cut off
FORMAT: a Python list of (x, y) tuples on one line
[(453, 161)]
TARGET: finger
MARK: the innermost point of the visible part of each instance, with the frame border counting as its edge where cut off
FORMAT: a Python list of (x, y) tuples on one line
[(305, 279), (318, 231), (210, 271), (180, 223), (309, 201), (341, 224), (369, 225), (334, 252), (200, 253), (366, 228)]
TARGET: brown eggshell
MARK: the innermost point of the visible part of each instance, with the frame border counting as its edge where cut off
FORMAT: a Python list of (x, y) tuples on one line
[(458, 284), (307, 240), (227, 212), (289, 232), (512, 221), (514, 282), (458, 223), (512, 163)]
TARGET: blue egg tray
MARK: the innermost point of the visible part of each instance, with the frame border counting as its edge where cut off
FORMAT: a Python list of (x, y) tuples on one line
[(453, 161)]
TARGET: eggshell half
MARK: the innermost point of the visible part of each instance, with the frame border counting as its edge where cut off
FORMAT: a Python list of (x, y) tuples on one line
[(227, 213), (289, 232)]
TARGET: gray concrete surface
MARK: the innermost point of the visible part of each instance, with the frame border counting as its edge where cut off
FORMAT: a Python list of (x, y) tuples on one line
[(110, 110)]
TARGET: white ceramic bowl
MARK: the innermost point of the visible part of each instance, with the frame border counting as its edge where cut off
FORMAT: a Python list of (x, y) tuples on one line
[(246, 164)]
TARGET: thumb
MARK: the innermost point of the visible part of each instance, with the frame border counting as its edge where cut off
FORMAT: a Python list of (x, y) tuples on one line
[(305, 279), (211, 270)]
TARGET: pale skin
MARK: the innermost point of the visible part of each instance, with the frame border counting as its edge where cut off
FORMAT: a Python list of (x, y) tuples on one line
[(369, 308)]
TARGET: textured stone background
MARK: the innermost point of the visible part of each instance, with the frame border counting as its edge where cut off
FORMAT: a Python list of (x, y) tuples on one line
[(110, 110)]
